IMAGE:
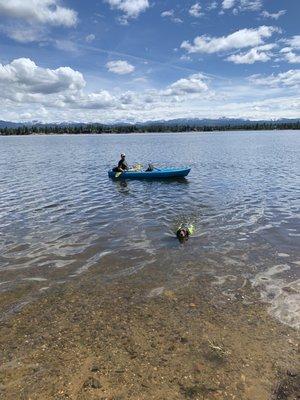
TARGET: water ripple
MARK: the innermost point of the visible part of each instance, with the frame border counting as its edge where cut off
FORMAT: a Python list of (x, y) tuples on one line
[(60, 215)]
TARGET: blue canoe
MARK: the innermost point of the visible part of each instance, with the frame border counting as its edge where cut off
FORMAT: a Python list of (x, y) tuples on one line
[(164, 173)]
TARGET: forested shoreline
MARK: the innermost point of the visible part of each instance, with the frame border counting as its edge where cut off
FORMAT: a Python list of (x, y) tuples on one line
[(53, 129)]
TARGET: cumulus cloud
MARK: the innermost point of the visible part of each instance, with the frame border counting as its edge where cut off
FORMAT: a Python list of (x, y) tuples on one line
[(24, 76), (23, 82), (195, 11), (29, 91), (260, 53), (181, 91), (25, 85), (171, 14), (39, 11), (289, 78), (92, 101), (237, 40), (275, 16), (194, 84), (130, 8), (127, 98), (120, 67)]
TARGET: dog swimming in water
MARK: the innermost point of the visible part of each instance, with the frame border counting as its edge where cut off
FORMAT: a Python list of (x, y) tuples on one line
[(184, 232)]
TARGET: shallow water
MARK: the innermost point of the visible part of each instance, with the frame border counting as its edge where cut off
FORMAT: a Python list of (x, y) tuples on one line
[(60, 215)]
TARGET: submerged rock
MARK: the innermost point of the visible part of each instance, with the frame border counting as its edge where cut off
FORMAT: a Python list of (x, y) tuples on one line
[(95, 368), (92, 383)]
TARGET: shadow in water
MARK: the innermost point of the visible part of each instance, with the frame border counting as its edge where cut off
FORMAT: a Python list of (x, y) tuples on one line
[(124, 182), (124, 186)]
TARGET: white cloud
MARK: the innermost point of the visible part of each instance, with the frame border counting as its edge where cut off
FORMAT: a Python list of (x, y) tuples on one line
[(24, 76), (194, 84), (250, 5), (168, 13), (127, 98), (227, 4), (120, 67), (213, 5), (237, 40), (184, 57), (90, 38), (177, 20), (285, 50), (27, 87), (171, 14), (66, 45), (195, 10), (290, 53), (28, 91), (24, 33), (140, 79), (290, 78), (267, 47), (39, 11), (130, 8), (22, 82), (92, 101), (242, 5), (275, 16), (260, 53), (290, 56), (250, 57), (294, 42)]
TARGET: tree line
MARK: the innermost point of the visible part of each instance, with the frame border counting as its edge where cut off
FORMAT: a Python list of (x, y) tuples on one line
[(140, 128)]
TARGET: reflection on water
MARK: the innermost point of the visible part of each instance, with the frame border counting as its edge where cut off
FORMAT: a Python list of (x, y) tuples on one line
[(60, 215)]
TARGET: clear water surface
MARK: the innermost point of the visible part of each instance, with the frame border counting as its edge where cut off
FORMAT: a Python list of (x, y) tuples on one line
[(60, 214)]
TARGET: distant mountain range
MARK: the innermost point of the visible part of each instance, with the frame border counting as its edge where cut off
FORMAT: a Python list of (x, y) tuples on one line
[(196, 122), (7, 124), (215, 122)]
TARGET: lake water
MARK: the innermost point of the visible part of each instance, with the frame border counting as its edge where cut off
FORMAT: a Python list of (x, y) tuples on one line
[(60, 215)]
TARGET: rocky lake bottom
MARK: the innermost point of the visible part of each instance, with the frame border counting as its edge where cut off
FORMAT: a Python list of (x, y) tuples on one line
[(140, 338)]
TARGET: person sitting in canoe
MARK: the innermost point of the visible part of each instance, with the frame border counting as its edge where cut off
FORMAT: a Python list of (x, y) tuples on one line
[(183, 232), (122, 164)]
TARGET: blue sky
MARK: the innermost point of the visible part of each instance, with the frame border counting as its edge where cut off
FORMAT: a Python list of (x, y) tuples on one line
[(137, 60)]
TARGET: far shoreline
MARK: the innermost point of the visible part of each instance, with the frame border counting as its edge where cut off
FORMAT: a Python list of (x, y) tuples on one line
[(96, 129)]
